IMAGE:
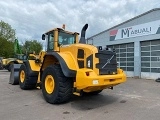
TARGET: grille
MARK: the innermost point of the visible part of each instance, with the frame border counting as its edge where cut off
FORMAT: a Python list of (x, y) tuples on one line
[(107, 62)]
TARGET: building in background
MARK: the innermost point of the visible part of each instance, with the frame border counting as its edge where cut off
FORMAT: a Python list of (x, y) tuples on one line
[(137, 44)]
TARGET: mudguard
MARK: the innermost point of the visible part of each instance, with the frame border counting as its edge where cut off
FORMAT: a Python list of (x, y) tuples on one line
[(66, 61)]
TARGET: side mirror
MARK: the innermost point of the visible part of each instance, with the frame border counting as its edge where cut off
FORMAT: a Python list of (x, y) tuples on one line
[(43, 37)]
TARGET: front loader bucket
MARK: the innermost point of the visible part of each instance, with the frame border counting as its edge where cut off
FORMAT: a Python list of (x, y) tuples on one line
[(14, 74)]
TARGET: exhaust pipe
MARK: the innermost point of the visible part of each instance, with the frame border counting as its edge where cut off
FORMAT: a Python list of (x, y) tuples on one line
[(83, 33)]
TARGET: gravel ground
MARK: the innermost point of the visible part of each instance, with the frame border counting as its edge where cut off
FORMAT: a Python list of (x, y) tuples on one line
[(137, 99)]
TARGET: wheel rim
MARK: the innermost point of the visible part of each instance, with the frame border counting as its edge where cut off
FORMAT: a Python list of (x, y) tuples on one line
[(22, 76), (49, 84)]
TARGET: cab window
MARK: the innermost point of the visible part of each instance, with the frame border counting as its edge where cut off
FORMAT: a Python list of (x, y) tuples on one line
[(50, 41), (66, 38)]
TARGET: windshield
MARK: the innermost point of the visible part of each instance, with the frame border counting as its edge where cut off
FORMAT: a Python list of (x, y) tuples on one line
[(21, 57), (66, 38)]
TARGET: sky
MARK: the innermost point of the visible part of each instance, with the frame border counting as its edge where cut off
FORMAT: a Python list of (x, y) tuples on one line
[(32, 18)]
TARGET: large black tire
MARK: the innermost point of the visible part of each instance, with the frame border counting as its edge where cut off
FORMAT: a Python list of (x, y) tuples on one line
[(25, 80), (62, 86)]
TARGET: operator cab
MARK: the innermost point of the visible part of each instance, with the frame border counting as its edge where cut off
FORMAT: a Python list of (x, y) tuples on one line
[(58, 38), (21, 57), (65, 38)]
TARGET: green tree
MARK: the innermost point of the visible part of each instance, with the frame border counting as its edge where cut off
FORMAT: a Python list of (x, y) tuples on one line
[(32, 46), (7, 37), (6, 31), (7, 48)]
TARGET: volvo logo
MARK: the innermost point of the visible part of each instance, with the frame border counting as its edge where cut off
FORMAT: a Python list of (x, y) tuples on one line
[(108, 61)]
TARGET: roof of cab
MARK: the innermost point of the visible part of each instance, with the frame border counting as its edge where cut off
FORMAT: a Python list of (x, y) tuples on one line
[(62, 30)]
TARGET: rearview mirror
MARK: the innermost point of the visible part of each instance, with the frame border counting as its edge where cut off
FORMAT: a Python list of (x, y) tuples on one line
[(43, 37)]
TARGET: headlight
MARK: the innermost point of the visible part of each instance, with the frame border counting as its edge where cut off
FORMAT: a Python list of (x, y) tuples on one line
[(89, 63)]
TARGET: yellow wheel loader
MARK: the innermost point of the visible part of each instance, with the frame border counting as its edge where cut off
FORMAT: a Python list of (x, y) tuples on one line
[(70, 66), (8, 62), (18, 57)]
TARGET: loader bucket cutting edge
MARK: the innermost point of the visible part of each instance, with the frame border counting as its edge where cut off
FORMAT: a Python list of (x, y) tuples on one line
[(14, 74)]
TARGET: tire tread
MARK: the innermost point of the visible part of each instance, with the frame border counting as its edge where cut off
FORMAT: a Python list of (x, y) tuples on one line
[(65, 86), (26, 85)]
